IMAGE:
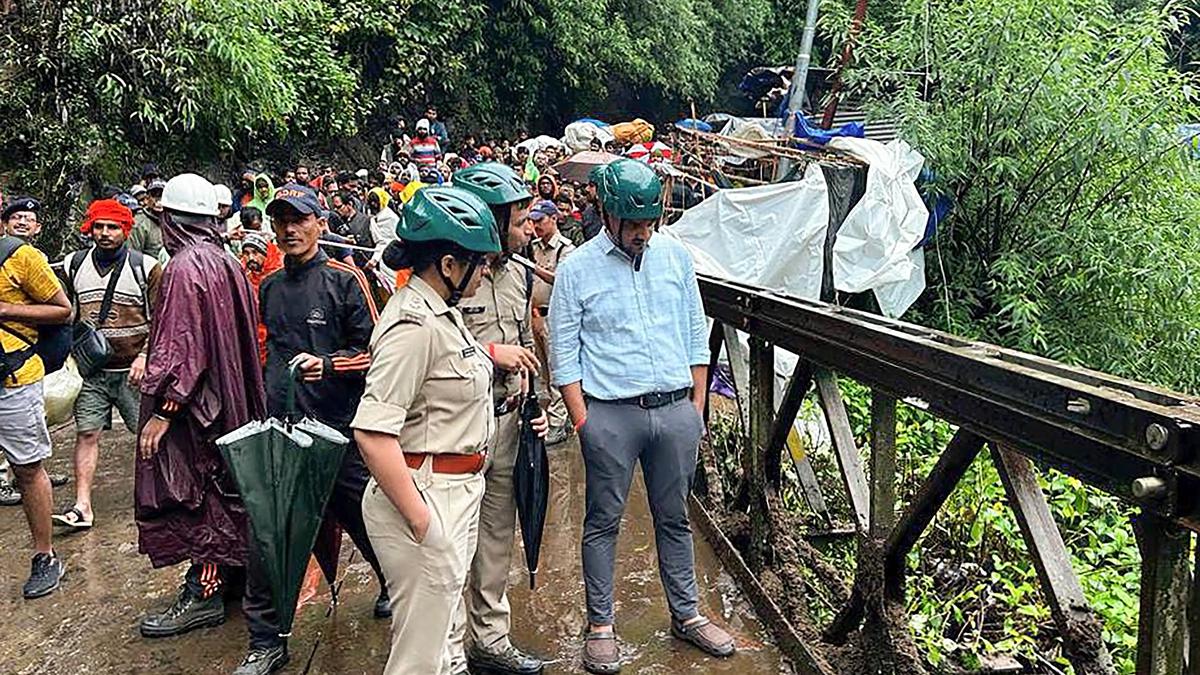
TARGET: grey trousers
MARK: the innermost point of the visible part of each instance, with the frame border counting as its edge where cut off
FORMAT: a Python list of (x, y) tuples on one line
[(614, 438)]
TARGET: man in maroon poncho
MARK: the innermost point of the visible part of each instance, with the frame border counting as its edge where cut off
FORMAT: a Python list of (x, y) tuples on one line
[(202, 380)]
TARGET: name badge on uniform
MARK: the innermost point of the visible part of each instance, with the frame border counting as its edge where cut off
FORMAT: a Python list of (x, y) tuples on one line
[(468, 352), (473, 310)]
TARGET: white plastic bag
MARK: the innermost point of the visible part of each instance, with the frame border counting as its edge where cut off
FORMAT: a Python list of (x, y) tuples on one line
[(60, 389)]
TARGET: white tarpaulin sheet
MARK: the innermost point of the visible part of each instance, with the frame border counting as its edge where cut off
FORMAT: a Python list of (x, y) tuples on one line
[(771, 236), (540, 143), (578, 136), (875, 246)]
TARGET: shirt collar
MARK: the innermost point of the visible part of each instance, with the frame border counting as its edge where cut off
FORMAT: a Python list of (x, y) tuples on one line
[(430, 296), (609, 247), (554, 242)]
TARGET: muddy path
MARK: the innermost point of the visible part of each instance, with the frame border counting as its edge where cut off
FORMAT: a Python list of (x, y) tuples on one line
[(90, 625)]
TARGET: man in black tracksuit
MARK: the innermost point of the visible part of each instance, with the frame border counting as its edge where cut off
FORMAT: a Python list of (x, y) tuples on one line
[(319, 315)]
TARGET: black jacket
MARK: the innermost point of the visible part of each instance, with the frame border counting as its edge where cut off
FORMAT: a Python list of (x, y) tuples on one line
[(322, 307)]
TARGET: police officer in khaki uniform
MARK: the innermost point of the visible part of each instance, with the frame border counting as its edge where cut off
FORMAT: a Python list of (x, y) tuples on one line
[(424, 425), (499, 317), (549, 249)]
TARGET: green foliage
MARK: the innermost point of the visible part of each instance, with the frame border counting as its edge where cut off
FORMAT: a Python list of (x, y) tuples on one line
[(1052, 126), (91, 89)]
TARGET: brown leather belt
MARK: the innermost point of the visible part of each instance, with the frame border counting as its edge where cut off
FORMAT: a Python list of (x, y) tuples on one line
[(446, 463)]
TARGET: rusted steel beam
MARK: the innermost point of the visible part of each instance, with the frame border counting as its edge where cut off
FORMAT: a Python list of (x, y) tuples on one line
[(1162, 615), (762, 411), (844, 447), (805, 660), (1194, 619), (1110, 432), (942, 480), (785, 419), (883, 464), (1078, 625), (954, 462), (708, 472), (716, 338)]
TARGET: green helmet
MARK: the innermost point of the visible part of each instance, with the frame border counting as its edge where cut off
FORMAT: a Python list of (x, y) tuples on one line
[(628, 189), (493, 182), (452, 214)]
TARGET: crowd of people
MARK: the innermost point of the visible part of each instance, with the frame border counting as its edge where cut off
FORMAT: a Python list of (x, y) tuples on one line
[(420, 302)]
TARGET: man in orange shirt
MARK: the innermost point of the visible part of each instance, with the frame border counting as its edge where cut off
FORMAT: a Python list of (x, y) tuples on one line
[(260, 259)]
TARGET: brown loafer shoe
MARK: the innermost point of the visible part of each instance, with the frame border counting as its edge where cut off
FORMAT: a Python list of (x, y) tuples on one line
[(706, 635), (601, 655)]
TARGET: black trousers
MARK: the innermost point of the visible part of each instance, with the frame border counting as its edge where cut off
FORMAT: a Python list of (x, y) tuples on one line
[(205, 580), (345, 505)]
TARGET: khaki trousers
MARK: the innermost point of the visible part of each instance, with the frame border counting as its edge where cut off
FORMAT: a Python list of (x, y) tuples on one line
[(556, 410), (425, 580), (484, 614)]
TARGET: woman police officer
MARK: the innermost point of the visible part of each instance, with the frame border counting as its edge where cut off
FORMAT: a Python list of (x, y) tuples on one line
[(424, 424)]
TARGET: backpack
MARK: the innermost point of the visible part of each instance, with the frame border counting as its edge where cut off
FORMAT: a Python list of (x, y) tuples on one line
[(54, 341)]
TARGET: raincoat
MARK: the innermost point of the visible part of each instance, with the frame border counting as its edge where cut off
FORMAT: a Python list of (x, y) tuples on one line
[(203, 355), (383, 231), (258, 202)]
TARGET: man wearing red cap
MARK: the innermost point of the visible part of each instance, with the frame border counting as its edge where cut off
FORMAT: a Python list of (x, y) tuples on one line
[(112, 288)]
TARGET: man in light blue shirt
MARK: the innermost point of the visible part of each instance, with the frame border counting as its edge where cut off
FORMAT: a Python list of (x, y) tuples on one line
[(630, 353)]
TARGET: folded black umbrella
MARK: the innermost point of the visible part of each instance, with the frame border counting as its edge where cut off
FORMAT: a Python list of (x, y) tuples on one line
[(531, 484)]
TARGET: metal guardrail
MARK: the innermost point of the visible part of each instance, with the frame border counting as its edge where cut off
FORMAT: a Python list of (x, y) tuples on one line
[(1136, 441)]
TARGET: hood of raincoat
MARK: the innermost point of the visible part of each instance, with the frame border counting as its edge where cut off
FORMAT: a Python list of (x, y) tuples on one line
[(384, 197), (255, 201), (181, 231)]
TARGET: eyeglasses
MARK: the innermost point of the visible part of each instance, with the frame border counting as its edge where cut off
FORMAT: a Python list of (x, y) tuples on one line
[(23, 218)]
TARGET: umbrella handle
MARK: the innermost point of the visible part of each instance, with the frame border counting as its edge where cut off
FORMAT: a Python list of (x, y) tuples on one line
[(290, 411)]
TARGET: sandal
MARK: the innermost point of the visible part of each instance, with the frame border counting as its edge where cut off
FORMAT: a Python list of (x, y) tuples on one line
[(601, 654), (710, 638), (72, 518)]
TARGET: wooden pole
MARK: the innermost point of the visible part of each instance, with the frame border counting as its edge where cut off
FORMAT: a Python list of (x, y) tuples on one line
[(844, 448), (883, 464), (1078, 625)]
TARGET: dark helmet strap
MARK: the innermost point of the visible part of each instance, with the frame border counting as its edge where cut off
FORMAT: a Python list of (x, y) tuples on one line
[(456, 292)]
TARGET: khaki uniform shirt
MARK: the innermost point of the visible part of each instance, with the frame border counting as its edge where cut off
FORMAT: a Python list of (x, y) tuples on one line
[(499, 313), (429, 380), (547, 255)]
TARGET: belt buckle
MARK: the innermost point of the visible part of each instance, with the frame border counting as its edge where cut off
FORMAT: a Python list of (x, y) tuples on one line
[(650, 401)]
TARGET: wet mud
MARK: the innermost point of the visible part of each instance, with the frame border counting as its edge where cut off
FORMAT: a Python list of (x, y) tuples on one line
[(90, 624)]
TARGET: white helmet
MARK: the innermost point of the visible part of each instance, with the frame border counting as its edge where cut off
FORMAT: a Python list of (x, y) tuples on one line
[(224, 195), (189, 193)]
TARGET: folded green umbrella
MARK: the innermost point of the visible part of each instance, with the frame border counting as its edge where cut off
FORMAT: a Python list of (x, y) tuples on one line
[(285, 469)]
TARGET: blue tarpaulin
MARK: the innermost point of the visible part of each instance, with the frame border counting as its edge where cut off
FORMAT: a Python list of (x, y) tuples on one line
[(815, 134), (592, 120), (939, 205), (692, 123)]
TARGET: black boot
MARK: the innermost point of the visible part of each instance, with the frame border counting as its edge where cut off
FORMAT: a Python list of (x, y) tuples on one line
[(186, 614), (263, 660), (510, 661), (383, 606)]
